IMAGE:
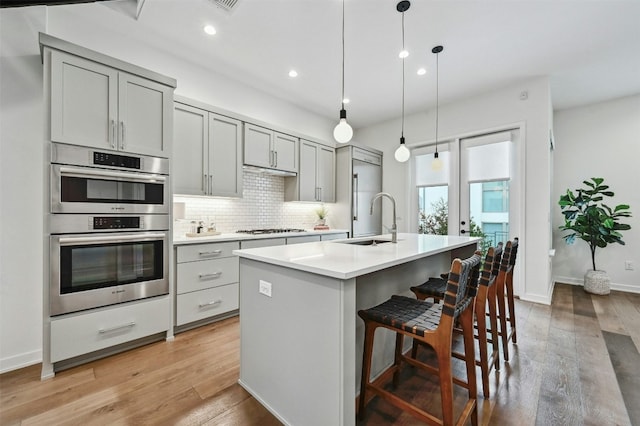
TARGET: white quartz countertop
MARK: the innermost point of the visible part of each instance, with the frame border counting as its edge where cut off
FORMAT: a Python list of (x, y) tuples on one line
[(345, 261), (182, 240)]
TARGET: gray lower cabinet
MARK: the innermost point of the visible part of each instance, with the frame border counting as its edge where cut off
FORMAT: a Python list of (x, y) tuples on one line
[(339, 236), (304, 239), (264, 242), (84, 332), (207, 278)]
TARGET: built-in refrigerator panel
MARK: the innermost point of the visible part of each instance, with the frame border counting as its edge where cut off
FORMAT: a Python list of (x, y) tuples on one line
[(358, 179)]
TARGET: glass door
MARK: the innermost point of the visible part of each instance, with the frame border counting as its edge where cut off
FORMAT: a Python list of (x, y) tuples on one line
[(485, 184)]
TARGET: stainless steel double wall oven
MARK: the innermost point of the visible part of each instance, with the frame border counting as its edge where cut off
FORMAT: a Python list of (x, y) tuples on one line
[(109, 226)]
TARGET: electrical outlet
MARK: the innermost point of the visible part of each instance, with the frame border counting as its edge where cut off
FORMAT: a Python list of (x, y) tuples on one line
[(628, 265), (265, 288)]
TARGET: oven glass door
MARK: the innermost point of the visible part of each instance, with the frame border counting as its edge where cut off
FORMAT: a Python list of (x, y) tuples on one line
[(91, 266), (90, 190), (93, 270)]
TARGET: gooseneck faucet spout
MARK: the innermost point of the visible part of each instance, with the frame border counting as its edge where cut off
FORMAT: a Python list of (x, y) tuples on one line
[(394, 228)]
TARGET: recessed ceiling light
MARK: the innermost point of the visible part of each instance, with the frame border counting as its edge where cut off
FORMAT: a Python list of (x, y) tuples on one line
[(293, 73), (403, 54), (209, 29), (422, 71), (346, 101)]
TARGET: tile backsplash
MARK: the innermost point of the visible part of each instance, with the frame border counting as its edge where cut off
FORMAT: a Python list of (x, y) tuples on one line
[(262, 206)]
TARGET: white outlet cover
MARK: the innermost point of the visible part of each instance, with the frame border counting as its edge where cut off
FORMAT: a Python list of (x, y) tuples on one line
[(265, 288)]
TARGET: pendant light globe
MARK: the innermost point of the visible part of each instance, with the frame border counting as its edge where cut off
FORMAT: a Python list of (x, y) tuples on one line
[(343, 132), (402, 154)]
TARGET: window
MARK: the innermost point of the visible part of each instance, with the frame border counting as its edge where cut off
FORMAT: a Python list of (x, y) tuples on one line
[(433, 210), (495, 197)]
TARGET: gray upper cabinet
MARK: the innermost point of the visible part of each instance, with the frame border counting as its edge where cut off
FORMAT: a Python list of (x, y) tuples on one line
[(207, 153), (95, 105), (316, 178), (270, 149)]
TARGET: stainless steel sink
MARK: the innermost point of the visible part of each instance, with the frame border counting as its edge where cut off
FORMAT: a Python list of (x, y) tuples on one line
[(372, 242)]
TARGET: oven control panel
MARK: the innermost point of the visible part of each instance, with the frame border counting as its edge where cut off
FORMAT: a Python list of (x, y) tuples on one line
[(115, 222), (116, 160)]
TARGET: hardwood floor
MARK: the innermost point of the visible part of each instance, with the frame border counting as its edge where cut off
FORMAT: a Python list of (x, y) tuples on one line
[(576, 363)]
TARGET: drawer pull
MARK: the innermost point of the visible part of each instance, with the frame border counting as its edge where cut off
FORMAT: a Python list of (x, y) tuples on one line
[(213, 302), (210, 276), (210, 253), (117, 327)]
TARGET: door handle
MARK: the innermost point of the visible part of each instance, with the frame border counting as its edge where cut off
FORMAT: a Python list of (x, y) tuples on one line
[(355, 196), (463, 231)]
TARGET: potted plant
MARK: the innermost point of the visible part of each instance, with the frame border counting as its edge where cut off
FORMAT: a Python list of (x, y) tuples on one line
[(322, 213), (587, 217)]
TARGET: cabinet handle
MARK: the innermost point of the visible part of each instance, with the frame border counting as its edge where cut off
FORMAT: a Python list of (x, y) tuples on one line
[(123, 134), (319, 194), (210, 253), (117, 327), (204, 184), (113, 135), (210, 185), (275, 155), (271, 158), (213, 302), (210, 276)]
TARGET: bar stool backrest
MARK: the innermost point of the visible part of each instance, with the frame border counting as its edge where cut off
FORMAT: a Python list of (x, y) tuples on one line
[(462, 285), (491, 266), (506, 257), (497, 259)]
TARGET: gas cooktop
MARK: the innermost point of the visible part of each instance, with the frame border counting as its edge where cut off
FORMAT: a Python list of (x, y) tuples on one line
[(268, 231)]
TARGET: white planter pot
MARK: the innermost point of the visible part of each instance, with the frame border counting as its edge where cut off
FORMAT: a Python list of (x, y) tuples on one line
[(597, 282)]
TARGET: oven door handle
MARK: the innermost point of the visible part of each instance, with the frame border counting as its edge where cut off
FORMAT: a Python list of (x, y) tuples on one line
[(110, 238), (72, 171)]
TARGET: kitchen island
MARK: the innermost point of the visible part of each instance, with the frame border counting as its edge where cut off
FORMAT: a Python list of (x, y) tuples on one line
[(300, 336)]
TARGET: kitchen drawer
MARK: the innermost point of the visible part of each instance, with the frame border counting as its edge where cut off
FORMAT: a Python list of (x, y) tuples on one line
[(206, 303), (305, 239), (193, 276), (83, 333), (329, 237), (194, 252), (264, 242)]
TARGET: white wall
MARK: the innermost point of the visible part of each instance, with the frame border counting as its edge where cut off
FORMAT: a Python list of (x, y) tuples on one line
[(599, 140), (23, 142), (21, 187), (475, 115)]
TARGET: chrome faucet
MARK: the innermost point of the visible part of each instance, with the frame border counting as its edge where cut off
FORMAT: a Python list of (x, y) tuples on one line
[(394, 227)]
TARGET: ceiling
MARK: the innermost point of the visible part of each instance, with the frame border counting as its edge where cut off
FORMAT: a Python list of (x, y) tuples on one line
[(590, 49)]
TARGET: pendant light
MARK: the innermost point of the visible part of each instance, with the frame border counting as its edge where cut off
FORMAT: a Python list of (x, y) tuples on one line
[(402, 154), (343, 132), (436, 164)]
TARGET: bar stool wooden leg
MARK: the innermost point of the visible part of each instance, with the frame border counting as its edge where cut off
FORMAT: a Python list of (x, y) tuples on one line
[(493, 323), (466, 320), (443, 354), (398, 358), (502, 312), (369, 332), (482, 343), (512, 308)]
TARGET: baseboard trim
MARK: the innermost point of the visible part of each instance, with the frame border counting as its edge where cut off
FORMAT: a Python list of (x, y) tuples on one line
[(614, 286), (19, 361)]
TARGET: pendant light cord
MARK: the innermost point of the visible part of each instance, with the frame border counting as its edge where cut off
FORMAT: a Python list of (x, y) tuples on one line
[(342, 100), (402, 132), (437, 95)]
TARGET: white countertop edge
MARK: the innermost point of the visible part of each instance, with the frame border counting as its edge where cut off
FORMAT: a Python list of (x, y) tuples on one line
[(232, 236), (256, 254)]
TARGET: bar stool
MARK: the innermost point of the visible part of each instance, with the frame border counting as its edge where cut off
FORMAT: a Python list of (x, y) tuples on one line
[(505, 292), (431, 324), (485, 306)]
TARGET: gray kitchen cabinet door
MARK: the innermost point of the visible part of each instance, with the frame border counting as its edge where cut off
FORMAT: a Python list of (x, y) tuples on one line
[(307, 177), (225, 156), (190, 150), (258, 149), (327, 174), (145, 114), (98, 106), (84, 107), (285, 149)]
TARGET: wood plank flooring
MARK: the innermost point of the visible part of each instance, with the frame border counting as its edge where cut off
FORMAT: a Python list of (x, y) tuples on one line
[(576, 363)]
